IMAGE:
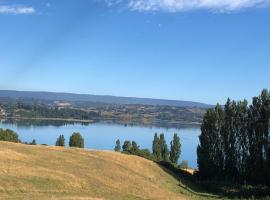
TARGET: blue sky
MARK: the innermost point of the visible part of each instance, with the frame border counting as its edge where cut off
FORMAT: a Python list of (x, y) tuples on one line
[(199, 50)]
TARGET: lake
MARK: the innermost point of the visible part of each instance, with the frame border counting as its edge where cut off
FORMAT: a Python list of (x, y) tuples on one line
[(102, 136)]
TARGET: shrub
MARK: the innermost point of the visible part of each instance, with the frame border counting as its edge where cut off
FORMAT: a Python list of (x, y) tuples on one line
[(184, 164), (126, 146), (76, 140), (9, 135), (145, 153)]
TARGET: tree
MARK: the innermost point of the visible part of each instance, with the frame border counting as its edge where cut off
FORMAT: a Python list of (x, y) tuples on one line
[(156, 148), (76, 140), (117, 147), (229, 139), (175, 149), (60, 141), (9, 135), (241, 128), (164, 148), (184, 164), (33, 142), (135, 149), (126, 146), (210, 150), (166, 153), (235, 141)]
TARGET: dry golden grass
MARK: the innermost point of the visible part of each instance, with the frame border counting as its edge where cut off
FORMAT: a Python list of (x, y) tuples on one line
[(42, 172)]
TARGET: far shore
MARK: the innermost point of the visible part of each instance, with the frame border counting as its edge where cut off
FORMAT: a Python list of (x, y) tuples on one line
[(109, 120), (48, 119)]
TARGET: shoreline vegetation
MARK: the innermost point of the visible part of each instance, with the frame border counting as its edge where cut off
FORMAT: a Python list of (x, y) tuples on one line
[(150, 115)]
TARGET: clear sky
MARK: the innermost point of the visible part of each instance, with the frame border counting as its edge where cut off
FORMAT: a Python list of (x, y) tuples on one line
[(198, 50)]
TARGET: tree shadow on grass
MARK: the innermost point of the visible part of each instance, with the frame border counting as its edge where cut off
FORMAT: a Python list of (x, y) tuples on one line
[(187, 181), (214, 189)]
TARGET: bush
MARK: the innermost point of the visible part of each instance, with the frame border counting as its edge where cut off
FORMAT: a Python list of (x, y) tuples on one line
[(9, 135), (126, 146), (184, 164), (76, 140), (145, 153)]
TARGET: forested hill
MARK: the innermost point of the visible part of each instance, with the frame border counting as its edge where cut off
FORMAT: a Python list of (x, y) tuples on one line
[(52, 96)]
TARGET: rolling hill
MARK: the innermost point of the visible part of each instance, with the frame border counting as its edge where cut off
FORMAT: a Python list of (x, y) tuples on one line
[(43, 172), (69, 97)]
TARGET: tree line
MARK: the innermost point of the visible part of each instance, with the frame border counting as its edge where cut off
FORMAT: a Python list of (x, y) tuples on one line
[(75, 140), (160, 150), (235, 143)]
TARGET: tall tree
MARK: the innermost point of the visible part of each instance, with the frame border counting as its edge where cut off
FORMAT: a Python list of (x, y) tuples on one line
[(235, 142), (241, 126), (229, 139), (264, 121), (163, 148), (156, 148), (210, 150), (60, 141), (175, 149), (117, 147)]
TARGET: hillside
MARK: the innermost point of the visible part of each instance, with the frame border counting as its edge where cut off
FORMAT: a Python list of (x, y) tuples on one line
[(42, 172), (87, 98)]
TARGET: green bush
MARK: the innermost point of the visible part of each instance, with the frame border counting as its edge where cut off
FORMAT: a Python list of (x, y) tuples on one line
[(9, 135), (184, 164), (145, 153), (76, 140)]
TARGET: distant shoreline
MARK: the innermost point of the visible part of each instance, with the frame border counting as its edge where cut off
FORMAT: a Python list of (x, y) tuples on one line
[(165, 124), (48, 119)]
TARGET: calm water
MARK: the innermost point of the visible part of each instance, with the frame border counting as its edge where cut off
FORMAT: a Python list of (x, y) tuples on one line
[(103, 136)]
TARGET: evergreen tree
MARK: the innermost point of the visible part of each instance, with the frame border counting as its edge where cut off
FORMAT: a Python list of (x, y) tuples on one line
[(117, 147), (76, 140), (175, 149), (60, 141)]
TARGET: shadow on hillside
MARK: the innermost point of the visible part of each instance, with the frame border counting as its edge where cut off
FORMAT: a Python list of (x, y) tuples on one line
[(187, 180), (214, 189)]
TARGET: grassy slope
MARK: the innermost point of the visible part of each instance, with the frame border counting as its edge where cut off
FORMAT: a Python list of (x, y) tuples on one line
[(41, 172)]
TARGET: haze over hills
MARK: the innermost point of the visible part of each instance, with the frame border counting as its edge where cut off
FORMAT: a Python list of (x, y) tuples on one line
[(70, 97)]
